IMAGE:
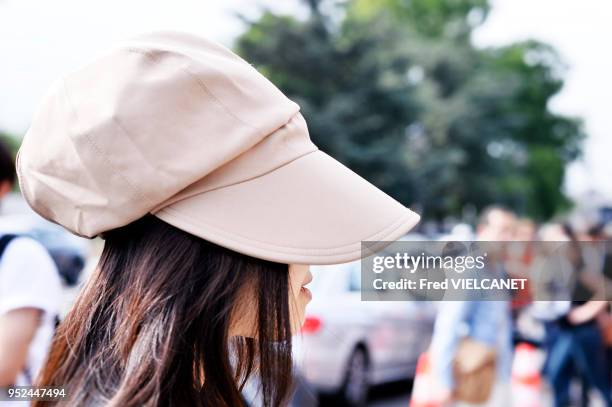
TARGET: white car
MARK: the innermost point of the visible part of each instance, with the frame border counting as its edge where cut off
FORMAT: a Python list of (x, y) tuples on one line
[(348, 345)]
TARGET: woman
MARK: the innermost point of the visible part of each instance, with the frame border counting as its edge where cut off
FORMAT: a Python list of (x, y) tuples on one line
[(212, 200)]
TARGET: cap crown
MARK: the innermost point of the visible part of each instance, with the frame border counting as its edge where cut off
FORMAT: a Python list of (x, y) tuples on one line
[(116, 138)]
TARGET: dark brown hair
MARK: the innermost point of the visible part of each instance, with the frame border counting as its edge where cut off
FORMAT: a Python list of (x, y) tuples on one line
[(151, 327)]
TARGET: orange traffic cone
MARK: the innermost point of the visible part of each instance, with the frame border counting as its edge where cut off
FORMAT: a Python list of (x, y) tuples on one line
[(526, 379), (424, 387)]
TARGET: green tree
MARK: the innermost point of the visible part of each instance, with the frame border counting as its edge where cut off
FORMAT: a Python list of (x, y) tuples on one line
[(430, 18), (486, 111), (10, 141), (351, 84), (396, 90)]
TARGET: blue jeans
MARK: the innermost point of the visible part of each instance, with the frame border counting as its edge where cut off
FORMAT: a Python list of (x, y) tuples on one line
[(576, 350)]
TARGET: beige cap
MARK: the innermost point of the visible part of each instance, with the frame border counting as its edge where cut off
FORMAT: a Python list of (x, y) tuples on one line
[(181, 127)]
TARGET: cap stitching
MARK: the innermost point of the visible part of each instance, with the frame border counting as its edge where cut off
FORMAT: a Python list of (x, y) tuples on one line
[(263, 173), (300, 153), (21, 180), (155, 210), (150, 54), (288, 249), (99, 150), (23, 188)]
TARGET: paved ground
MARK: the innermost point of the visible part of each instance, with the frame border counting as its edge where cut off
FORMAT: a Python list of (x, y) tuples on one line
[(391, 395), (398, 394)]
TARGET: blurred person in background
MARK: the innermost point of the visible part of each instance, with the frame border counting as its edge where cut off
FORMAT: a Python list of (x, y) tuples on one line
[(575, 345), (524, 237), (30, 297), (484, 321), (551, 287), (518, 262), (605, 319)]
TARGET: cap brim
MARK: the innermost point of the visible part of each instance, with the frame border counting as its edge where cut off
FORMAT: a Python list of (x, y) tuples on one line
[(312, 210)]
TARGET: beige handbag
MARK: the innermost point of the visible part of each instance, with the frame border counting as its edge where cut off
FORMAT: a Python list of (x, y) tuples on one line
[(474, 371), (604, 320)]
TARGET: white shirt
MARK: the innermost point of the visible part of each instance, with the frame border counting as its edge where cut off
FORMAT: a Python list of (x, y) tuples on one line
[(29, 278)]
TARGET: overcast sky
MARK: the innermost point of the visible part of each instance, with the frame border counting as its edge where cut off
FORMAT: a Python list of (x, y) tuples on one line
[(41, 39)]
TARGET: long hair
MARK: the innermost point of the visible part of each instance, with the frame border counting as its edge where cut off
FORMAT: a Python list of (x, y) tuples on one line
[(152, 325)]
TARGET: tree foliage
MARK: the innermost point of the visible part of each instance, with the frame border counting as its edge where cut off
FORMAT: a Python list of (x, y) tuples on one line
[(396, 91), (11, 142), (351, 86)]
